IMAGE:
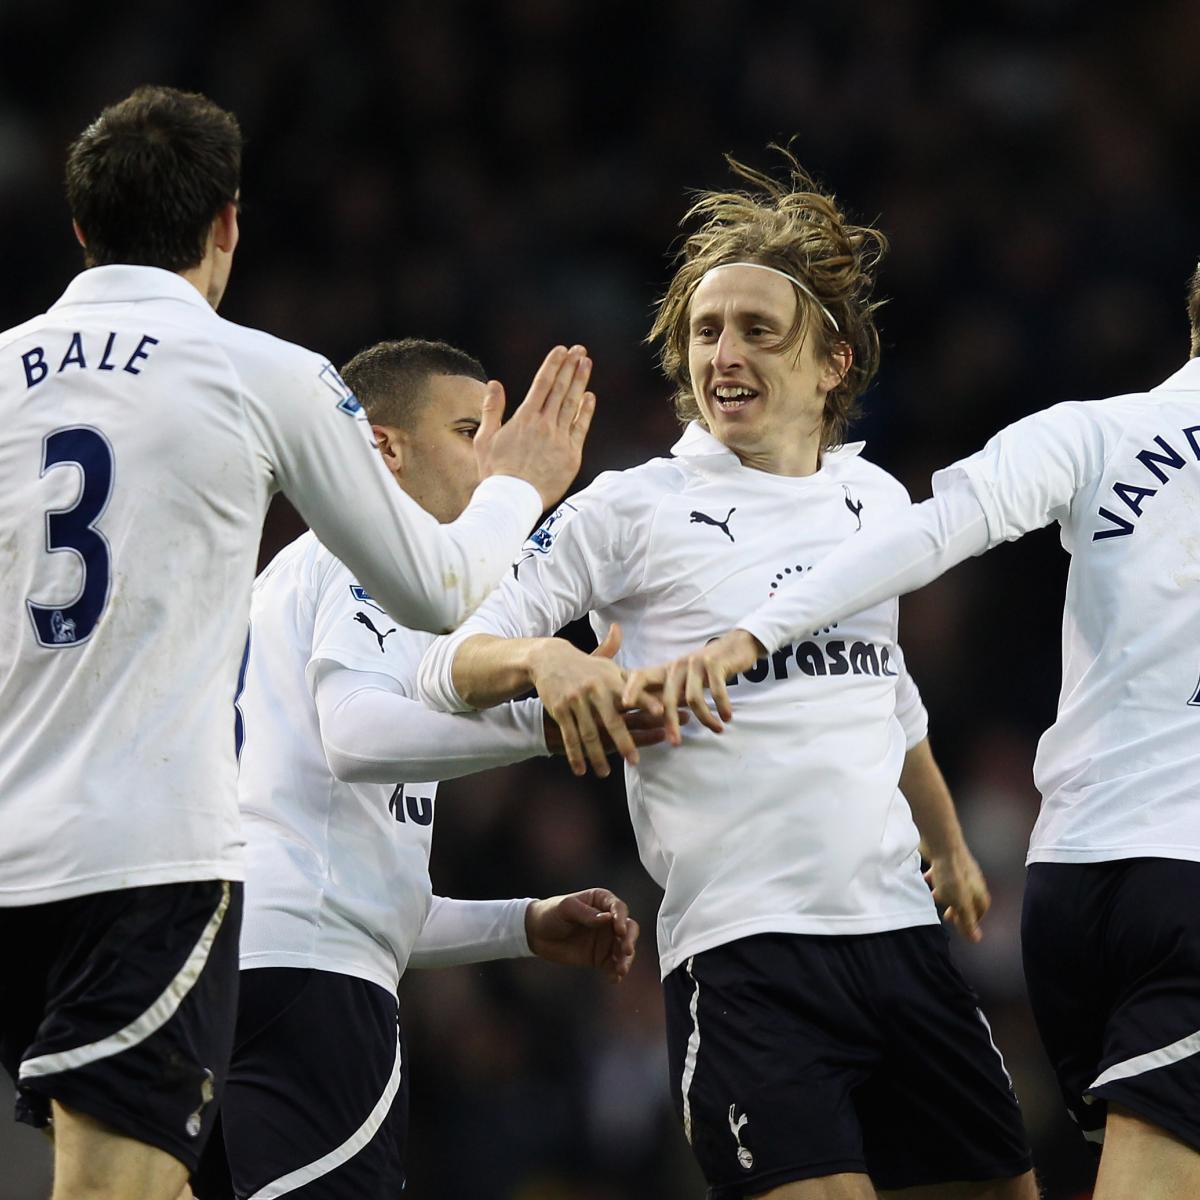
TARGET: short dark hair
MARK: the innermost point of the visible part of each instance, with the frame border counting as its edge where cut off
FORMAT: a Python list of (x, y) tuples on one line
[(1194, 311), (389, 378), (147, 177)]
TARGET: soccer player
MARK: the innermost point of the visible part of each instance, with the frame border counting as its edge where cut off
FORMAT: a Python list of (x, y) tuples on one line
[(822, 1043), (1111, 928), (143, 438), (338, 895)]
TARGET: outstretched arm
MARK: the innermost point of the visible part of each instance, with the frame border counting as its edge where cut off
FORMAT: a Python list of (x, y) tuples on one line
[(589, 555), (1025, 477), (373, 733), (906, 553), (428, 576), (580, 691), (591, 928)]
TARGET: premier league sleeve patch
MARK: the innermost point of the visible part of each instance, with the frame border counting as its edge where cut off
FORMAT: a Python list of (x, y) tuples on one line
[(362, 596), (542, 538), (347, 401)]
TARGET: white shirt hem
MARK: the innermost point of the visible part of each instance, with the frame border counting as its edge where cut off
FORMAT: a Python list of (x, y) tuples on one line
[(122, 880), (1091, 854), (389, 981)]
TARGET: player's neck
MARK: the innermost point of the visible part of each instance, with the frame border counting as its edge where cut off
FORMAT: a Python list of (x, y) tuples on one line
[(802, 458), (206, 279)]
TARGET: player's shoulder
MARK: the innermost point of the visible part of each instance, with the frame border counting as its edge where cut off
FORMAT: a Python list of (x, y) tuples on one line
[(19, 332), (258, 348), (277, 367), (612, 509), (297, 564), (1084, 429), (637, 487), (617, 498)]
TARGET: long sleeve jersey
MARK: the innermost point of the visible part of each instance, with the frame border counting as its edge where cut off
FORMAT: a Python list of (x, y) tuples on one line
[(1118, 769), (338, 782), (143, 439), (790, 821)]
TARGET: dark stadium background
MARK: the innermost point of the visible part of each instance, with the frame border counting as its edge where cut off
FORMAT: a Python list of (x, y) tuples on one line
[(508, 175)]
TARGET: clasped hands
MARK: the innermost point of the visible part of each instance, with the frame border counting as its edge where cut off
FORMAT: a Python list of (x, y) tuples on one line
[(594, 707)]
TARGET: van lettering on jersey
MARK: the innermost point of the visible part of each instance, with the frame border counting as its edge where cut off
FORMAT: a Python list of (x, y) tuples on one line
[(75, 354), (1134, 496)]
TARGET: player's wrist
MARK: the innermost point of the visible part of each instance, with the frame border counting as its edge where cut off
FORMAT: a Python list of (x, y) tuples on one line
[(744, 642), (950, 852), (540, 656), (534, 916), (489, 670)]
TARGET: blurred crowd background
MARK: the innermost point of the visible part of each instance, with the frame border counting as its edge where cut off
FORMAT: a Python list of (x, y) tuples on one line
[(509, 175)]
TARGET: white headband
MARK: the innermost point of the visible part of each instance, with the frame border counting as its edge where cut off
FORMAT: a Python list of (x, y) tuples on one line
[(783, 275)]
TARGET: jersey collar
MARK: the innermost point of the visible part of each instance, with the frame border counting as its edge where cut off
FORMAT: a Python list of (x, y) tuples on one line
[(697, 442), (1186, 379), (120, 284)]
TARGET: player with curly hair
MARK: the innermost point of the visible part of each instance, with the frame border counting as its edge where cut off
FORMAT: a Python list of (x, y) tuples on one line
[(822, 1044)]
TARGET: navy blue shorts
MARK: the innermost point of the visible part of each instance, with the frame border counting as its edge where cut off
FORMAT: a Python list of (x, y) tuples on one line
[(316, 1106), (795, 1056), (121, 1005), (1112, 960)]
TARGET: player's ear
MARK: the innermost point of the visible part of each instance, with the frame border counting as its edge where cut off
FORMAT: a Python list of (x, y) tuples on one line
[(392, 444), (79, 234), (838, 365), (225, 228)]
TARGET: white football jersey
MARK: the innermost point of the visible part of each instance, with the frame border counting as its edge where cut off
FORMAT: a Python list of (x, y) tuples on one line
[(337, 874), (1118, 768), (143, 438), (790, 821)]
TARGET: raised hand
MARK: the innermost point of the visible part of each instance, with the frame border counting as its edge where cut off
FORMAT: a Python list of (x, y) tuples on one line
[(543, 440), (585, 929)]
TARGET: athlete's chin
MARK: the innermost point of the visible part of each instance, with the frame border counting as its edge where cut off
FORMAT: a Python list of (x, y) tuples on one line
[(737, 430)]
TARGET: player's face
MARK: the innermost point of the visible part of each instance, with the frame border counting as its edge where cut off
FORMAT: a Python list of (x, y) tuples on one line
[(763, 402), (440, 471)]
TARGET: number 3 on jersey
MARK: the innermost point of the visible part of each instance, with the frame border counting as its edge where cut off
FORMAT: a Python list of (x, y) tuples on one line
[(74, 529)]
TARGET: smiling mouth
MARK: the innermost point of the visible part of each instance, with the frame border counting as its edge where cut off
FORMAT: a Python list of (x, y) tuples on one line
[(730, 399)]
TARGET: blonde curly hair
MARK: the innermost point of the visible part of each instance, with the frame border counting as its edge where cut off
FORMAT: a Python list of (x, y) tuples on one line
[(796, 228)]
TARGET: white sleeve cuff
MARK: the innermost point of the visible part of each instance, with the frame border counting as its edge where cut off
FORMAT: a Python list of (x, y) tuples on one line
[(524, 499), (435, 675)]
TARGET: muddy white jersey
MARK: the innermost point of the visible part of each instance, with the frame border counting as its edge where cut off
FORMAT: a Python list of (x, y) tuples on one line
[(337, 872), (143, 438), (790, 821)]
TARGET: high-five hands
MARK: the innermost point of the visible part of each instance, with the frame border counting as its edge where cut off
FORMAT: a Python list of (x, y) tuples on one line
[(542, 442)]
